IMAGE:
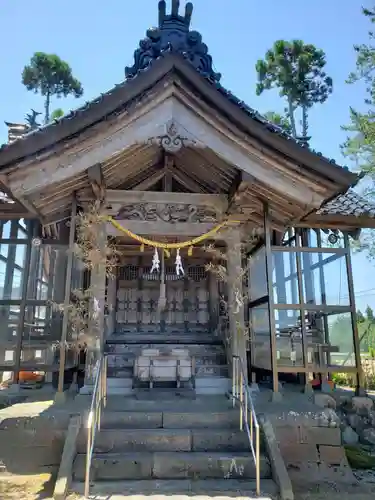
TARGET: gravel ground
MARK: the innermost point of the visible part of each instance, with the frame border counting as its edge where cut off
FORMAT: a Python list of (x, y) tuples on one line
[(26, 487)]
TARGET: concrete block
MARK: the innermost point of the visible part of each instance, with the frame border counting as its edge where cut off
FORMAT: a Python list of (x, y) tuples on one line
[(115, 467), (204, 420), (330, 436), (212, 385), (333, 455), (121, 440), (220, 440), (336, 474), (287, 434), (65, 473), (303, 472), (206, 465), (131, 420), (299, 452)]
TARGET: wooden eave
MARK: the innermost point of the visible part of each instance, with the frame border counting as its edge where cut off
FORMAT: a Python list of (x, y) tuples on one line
[(342, 222), (108, 104)]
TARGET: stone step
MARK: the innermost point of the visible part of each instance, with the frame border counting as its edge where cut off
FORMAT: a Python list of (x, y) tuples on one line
[(201, 371), (171, 465), (201, 358), (141, 338), (202, 404), (195, 349), (210, 385), (149, 419), (155, 440), (182, 488)]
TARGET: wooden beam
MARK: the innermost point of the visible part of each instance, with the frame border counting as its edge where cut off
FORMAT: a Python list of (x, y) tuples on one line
[(185, 230), (150, 181), (336, 221), (122, 197), (96, 178), (168, 166), (187, 181)]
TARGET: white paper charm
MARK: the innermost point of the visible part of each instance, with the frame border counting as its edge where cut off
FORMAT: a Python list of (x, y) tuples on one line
[(155, 262), (179, 268)]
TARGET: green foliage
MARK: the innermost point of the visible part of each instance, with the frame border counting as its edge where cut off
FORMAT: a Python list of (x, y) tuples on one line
[(360, 144), (56, 114), (297, 70), (279, 120), (359, 458), (49, 75)]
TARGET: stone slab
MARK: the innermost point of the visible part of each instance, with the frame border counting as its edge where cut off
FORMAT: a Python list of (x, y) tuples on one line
[(333, 455), (132, 420), (298, 452), (233, 488), (330, 436), (200, 419), (170, 465), (120, 440), (206, 465), (115, 467), (220, 440)]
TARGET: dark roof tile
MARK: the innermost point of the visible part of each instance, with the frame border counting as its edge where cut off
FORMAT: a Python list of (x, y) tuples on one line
[(349, 203)]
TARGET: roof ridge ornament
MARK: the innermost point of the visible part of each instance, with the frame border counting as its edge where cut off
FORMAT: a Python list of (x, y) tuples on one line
[(174, 16), (173, 35)]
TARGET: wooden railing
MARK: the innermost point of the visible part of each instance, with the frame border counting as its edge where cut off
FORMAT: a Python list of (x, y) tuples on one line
[(241, 396), (98, 402)]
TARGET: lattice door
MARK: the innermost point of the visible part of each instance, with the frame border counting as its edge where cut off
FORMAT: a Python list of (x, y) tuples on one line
[(187, 300)]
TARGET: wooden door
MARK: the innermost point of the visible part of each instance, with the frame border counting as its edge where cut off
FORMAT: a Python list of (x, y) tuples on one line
[(187, 300)]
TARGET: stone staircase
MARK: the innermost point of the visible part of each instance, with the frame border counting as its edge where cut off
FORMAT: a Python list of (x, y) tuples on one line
[(173, 447), (211, 368)]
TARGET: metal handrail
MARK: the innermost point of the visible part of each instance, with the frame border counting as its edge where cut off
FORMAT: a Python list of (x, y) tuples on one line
[(241, 394), (98, 402)]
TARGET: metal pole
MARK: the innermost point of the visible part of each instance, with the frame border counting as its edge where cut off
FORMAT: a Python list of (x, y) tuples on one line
[(68, 281), (257, 466), (88, 460), (241, 400), (353, 313), (271, 305)]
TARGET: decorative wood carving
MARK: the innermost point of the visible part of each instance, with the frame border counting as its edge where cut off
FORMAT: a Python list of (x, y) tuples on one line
[(167, 212), (174, 139)]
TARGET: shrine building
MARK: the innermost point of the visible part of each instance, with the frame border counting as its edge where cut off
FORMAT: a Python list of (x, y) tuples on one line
[(232, 239)]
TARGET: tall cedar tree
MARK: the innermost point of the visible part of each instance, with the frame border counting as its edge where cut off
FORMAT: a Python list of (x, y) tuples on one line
[(360, 146), (297, 70), (49, 75)]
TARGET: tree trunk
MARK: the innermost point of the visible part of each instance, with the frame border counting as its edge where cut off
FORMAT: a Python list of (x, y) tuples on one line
[(305, 125), (291, 117), (46, 108)]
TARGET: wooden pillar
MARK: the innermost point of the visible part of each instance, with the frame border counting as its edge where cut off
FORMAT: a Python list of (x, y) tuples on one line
[(357, 352), (235, 291), (213, 290), (65, 321), (271, 305), (96, 340), (111, 304)]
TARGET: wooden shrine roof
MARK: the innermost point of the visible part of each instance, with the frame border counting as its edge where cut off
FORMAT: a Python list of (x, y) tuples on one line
[(172, 47)]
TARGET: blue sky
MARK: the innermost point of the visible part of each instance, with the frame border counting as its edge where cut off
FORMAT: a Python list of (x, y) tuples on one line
[(98, 40)]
